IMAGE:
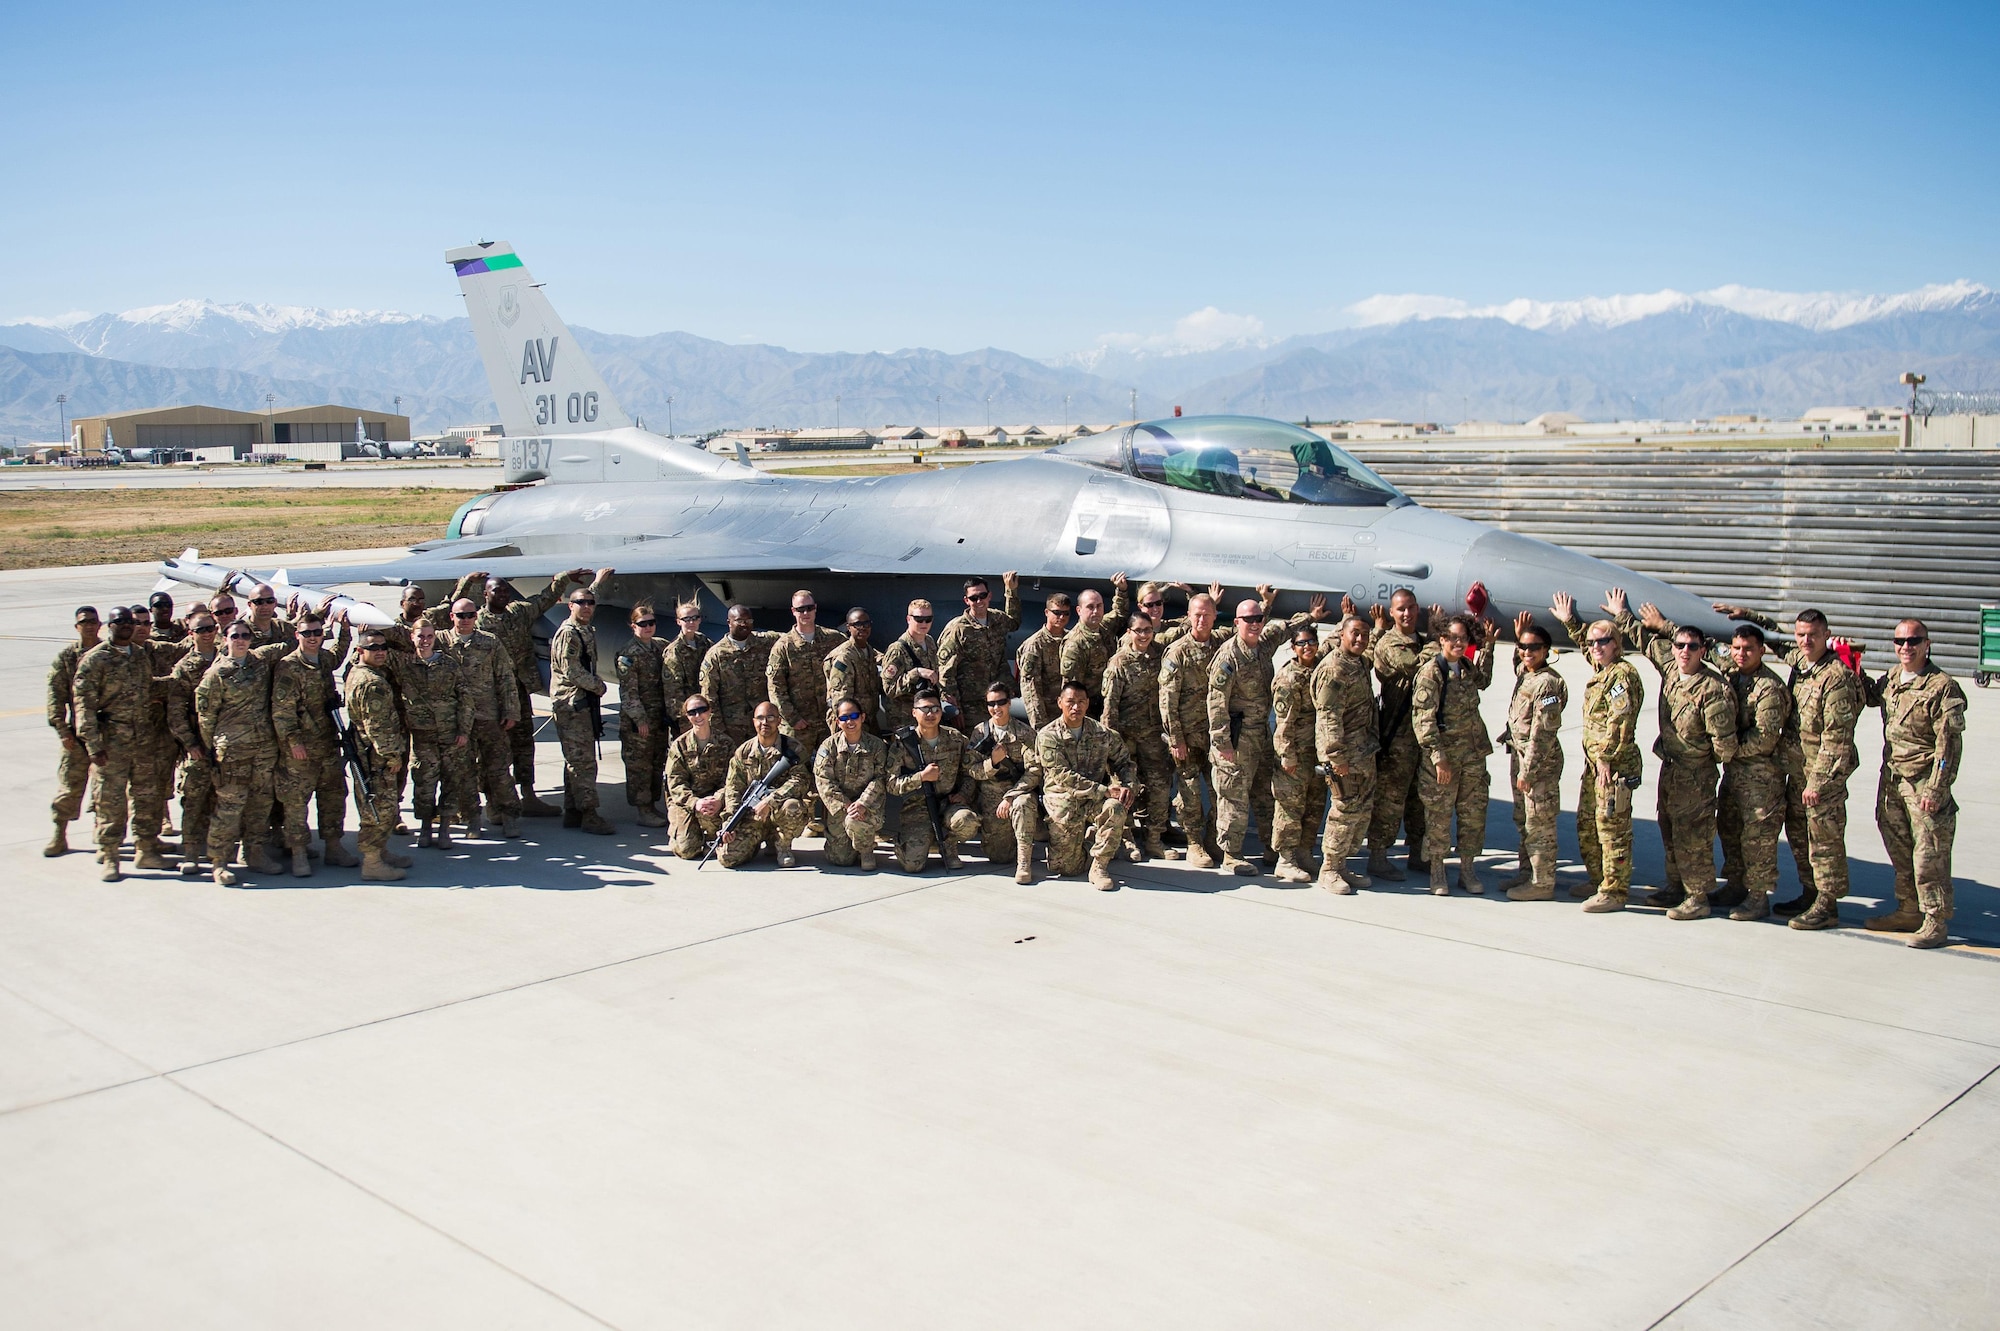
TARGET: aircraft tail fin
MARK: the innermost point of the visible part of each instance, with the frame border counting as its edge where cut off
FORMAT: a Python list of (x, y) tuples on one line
[(542, 381)]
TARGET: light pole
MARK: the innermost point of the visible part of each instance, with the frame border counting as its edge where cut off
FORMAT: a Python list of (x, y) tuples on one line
[(670, 415), (62, 417), (1909, 377), (836, 415), (270, 430)]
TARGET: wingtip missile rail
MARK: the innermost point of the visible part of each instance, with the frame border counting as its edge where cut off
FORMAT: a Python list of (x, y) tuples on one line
[(190, 569)]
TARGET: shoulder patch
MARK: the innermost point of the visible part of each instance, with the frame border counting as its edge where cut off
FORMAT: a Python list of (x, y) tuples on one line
[(1618, 690), (1550, 700)]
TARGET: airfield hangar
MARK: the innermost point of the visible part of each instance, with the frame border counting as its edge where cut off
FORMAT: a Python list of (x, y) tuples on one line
[(304, 432)]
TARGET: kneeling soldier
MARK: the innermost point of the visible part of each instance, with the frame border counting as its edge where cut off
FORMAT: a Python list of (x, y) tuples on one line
[(697, 768), (931, 755), (781, 815), (1086, 777), (1002, 751), (851, 773)]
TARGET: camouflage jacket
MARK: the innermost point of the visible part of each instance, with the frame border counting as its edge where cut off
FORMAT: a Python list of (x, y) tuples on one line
[(1040, 663), (854, 670), (278, 630), (1697, 717), (1015, 740), (642, 687), (1292, 705), (1184, 690), (181, 721), (972, 655), (1444, 709), (900, 661), (1239, 681), (171, 631), (795, 677), (165, 656), (949, 751), (1534, 723), (1611, 704), (376, 714), (752, 760), (1827, 699), (684, 656), (1086, 763), (1762, 710), (1923, 725), (845, 774), (734, 679), (233, 706), (573, 676), (1132, 694), (113, 696), (696, 767), (435, 702), (1087, 649), (62, 690), (1397, 655), (488, 674), (1346, 723), (302, 696), (515, 628)]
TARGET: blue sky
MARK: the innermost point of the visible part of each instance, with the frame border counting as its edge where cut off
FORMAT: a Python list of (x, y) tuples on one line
[(1020, 175)]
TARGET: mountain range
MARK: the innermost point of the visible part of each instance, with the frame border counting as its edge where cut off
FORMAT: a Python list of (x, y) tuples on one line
[(1665, 355)]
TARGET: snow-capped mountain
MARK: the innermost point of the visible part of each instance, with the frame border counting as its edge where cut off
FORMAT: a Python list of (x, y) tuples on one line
[(1821, 311)]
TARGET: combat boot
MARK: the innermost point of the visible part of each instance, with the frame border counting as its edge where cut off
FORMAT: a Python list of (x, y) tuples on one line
[(1100, 877), (534, 806), (336, 854), (1335, 881), (224, 876), (1604, 903), (1692, 906), (1756, 906), (393, 857), (59, 843), (1291, 871), (472, 822), (571, 815), (444, 834), (1901, 920), (1236, 864), (593, 822), (109, 859), (1669, 896), (1935, 932), (865, 858), (1355, 880), (1201, 855), (1130, 849), (301, 863), (191, 865), (786, 860), (426, 837), (1439, 887), (1728, 895), (378, 869), (1158, 849), (1523, 873), (258, 860), (1824, 914), (1532, 891), (1379, 866), (510, 828), (1468, 876), (1024, 864), (649, 815), (1416, 863), (148, 855), (1582, 891), (948, 856), (399, 827), (1802, 904)]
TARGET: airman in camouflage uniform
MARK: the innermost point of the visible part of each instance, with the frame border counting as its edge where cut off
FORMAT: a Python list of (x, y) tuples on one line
[(1923, 737), (735, 675), (1345, 734), (646, 712), (1009, 820), (1398, 648), (197, 774), (782, 816), (153, 772), (232, 705), (1040, 662), (684, 656), (1085, 774), (1089, 646), (931, 754), (1132, 709), (376, 714), (1444, 711), (512, 619), (1239, 730), (113, 694), (1535, 761), (73, 771), (496, 712), (1697, 731), (697, 770), (854, 669), (910, 662), (1611, 705), (267, 626), (165, 627), (1184, 670), (1751, 800), (972, 653), (795, 678), (437, 710), (575, 701), (1298, 791), (310, 767), (851, 775)]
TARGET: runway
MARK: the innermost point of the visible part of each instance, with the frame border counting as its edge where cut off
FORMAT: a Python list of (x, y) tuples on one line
[(568, 1081), (441, 475)]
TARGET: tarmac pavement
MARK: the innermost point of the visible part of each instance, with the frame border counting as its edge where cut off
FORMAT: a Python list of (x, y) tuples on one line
[(569, 1081)]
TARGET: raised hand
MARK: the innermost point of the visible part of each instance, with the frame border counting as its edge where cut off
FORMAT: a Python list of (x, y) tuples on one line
[(1318, 608), (1346, 605), (1614, 602), (1650, 616), (1564, 606), (1522, 623)]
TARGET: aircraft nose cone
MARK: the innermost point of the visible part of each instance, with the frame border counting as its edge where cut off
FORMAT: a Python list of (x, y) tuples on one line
[(1522, 573)]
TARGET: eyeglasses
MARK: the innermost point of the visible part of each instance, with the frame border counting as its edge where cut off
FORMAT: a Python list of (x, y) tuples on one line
[(697, 711), (263, 600), (848, 718), (645, 623), (920, 619), (1601, 642), (239, 637), (926, 711), (1908, 642)]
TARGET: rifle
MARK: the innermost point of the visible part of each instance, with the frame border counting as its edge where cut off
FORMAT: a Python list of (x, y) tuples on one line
[(760, 790), (984, 748), (933, 802), (350, 753)]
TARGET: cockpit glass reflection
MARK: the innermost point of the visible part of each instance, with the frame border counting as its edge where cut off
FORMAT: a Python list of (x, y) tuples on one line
[(1238, 457)]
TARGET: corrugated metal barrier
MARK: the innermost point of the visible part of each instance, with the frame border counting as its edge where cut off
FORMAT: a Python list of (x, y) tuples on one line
[(1867, 537)]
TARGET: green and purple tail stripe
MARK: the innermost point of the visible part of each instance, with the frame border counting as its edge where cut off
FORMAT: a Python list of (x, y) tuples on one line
[(492, 263)]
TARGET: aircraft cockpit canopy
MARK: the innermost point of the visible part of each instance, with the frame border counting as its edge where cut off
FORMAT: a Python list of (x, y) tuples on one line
[(1238, 457)]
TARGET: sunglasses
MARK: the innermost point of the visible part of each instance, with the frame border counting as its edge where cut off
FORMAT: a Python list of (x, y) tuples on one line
[(584, 600), (978, 596), (803, 609), (1152, 605), (1534, 647), (209, 629), (1249, 619), (645, 623), (1601, 642), (371, 647), (224, 612), (244, 637), (1687, 646), (474, 614), (1908, 642), (312, 633), (926, 711), (263, 600), (848, 718), (998, 702), (697, 711), (920, 619), (688, 619)]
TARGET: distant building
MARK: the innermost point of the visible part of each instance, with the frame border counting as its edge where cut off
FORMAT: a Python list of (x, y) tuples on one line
[(242, 432), (1853, 420), (829, 440)]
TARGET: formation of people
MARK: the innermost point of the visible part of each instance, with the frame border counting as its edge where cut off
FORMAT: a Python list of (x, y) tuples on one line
[(1147, 737)]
